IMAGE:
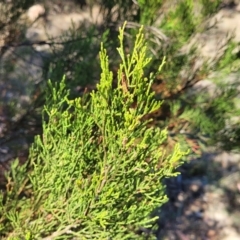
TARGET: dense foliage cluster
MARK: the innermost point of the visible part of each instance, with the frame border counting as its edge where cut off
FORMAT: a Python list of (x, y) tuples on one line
[(96, 170)]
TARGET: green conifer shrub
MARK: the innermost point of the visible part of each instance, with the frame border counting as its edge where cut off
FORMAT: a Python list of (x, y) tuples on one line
[(185, 118), (96, 171)]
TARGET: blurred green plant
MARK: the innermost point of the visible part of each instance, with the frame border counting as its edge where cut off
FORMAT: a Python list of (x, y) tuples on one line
[(210, 7), (149, 10), (180, 22)]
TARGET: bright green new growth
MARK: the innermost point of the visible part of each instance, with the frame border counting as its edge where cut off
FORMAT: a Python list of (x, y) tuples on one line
[(96, 171)]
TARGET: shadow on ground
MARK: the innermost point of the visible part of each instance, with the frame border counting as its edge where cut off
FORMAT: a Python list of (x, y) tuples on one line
[(204, 201)]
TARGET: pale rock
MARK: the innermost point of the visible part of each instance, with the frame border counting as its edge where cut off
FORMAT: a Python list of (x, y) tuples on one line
[(204, 86), (35, 11)]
